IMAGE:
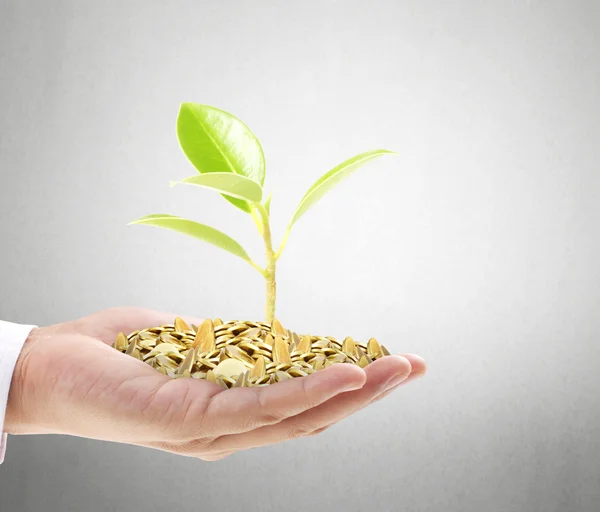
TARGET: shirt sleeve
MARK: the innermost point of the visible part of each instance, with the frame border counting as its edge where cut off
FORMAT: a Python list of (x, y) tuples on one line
[(12, 338)]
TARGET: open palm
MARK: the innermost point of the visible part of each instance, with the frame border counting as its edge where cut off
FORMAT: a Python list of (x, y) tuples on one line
[(69, 380)]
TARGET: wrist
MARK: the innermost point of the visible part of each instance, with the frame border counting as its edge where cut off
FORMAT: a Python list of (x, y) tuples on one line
[(19, 418)]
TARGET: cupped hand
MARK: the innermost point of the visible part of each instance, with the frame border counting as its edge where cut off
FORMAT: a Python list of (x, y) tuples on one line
[(69, 380)]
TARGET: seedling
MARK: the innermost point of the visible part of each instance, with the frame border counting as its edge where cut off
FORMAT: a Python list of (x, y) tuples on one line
[(230, 160)]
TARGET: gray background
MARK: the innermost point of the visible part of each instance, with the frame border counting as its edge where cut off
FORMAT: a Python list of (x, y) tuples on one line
[(477, 248)]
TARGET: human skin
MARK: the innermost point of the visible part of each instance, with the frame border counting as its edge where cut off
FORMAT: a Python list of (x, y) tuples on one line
[(69, 380)]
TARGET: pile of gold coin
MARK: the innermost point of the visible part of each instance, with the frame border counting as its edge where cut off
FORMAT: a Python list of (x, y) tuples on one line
[(241, 353)]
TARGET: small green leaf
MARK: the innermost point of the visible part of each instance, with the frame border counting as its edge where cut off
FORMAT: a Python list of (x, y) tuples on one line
[(228, 183), (267, 204), (215, 141), (189, 227), (330, 179)]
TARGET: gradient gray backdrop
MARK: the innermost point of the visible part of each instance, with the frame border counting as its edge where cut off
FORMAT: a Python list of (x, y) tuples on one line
[(478, 247)]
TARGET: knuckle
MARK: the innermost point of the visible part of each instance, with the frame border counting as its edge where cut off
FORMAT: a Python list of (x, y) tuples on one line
[(271, 418), (196, 448), (300, 431), (266, 414), (306, 395)]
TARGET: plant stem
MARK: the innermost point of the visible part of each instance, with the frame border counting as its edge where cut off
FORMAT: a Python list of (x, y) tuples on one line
[(283, 242), (256, 266), (257, 220), (271, 285)]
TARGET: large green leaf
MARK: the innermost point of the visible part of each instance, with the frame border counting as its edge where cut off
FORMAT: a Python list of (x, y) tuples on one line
[(215, 141), (189, 227), (228, 183), (330, 179)]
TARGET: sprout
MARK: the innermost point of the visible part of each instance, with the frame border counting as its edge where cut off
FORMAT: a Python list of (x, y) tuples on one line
[(230, 160)]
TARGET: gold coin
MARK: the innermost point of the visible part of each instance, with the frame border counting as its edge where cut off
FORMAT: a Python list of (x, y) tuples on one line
[(121, 343), (230, 368), (181, 326), (205, 337), (373, 348), (277, 328), (281, 352), (258, 370)]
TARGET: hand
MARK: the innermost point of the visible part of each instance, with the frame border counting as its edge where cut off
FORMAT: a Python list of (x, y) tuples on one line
[(69, 380)]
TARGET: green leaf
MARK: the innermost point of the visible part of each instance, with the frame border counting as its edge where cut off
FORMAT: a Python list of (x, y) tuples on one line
[(267, 204), (228, 183), (330, 179), (215, 141), (189, 227)]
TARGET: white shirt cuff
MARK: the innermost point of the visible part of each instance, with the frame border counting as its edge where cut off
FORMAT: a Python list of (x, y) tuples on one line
[(12, 338)]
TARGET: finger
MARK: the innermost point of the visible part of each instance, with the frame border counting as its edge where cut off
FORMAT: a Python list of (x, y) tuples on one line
[(418, 370), (107, 324), (240, 410), (417, 364), (381, 374), (411, 378)]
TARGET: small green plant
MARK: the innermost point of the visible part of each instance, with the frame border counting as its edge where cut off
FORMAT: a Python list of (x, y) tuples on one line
[(230, 160)]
